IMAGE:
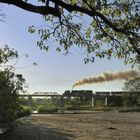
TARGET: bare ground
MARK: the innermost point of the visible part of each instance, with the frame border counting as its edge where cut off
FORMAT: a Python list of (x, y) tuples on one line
[(95, 126)]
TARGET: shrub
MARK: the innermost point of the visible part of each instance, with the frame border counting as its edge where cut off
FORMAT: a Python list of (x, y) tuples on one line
[(85, 107), (72, 107), (131, 99), (100, 102), (23, 101), (10, 86), (47, 109), (114, 101), (9, 101), (24, 111), (130, 109)]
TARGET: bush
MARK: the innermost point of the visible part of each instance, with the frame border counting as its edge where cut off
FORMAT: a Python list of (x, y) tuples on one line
[(114, 101), (24, 111), (23, 101), (130, 109), (100, 102), (11, 84), (71, 107), (47, 109), (131, 99), (9, 101), (85, 107)]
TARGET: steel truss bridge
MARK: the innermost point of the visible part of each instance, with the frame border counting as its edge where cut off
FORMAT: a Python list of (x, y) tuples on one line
[(41, 94)]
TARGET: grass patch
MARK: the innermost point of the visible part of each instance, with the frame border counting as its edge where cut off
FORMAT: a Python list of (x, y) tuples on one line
[(47, 109), (130, 109)]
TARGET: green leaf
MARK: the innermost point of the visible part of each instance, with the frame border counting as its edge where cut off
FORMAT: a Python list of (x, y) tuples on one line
[(73, 2)]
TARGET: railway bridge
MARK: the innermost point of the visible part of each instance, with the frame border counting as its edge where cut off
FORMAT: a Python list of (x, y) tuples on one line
[(94, 96)]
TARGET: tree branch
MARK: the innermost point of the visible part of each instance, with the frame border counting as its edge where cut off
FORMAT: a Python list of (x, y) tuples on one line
[(93, 13), (53, 11), (43, 10), (56, 12)]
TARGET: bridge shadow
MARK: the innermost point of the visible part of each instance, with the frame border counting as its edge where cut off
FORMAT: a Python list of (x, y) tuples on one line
[(35, 132)]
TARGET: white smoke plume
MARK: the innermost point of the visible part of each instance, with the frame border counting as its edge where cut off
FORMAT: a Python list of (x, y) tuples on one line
[(108, 76)]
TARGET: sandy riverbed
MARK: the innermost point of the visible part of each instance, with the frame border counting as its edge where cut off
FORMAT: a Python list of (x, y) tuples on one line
[(95, 126)]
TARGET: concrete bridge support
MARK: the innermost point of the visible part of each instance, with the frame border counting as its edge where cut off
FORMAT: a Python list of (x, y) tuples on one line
[(106, 101), (30, 101), (93, 101), (61, 101)]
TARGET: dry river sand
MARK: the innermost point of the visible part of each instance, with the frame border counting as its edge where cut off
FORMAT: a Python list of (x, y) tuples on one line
[(95, 126)]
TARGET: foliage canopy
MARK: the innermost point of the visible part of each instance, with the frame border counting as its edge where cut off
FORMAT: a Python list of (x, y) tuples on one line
[(103, 28)]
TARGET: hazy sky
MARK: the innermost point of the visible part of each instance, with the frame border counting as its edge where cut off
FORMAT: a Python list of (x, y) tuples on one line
[(55, 72)]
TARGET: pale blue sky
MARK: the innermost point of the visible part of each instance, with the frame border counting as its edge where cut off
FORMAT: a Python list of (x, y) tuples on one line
[(55, 72)]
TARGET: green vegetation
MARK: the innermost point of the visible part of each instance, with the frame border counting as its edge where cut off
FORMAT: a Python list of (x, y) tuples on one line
[(114, 101), (24, 111), (10, 86), (23, 101), (132, 85), (100, 102), (129, 109), (132, 92), (47, 109), (72, 107), (131, 99)]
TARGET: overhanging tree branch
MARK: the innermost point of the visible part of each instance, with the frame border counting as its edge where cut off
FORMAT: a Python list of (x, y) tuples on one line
[(43, 10), (93, 13), (121, 26), (56, 12)]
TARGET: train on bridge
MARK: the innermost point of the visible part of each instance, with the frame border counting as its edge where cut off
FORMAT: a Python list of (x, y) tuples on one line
[(81, 94)]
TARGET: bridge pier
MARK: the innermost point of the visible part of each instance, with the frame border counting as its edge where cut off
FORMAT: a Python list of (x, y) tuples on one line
[(106, 101), (61, 101), (30, 101), (93, 101)]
